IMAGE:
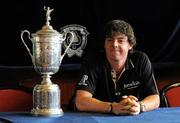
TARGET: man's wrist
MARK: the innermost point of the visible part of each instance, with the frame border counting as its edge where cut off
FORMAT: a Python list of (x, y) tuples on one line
[(142, 107), (110, 108)]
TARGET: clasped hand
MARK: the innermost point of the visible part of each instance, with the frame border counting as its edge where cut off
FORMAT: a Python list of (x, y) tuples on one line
[(128, 105)]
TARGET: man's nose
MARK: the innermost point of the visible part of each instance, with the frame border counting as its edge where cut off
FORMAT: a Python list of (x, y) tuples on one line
[(115, 43)]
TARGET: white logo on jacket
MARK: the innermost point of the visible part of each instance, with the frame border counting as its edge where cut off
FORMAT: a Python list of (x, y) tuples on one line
[(133, 84), (83, 80)]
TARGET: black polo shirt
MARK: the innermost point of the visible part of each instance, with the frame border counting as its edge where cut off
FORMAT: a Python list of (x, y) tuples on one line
[(137, 79)]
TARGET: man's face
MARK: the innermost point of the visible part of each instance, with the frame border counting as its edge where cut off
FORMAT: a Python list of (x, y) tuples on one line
[(117, 47)]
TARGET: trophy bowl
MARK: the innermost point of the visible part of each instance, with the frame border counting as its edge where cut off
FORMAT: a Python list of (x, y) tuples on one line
[(46, 58)]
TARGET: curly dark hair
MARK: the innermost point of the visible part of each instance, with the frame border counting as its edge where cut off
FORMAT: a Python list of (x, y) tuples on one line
[(122, 27)]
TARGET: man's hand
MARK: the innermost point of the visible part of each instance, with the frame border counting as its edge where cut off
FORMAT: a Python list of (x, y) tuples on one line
[(127, 105)]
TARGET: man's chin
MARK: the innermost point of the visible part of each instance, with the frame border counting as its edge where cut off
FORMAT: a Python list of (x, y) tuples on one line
[(116, 59)]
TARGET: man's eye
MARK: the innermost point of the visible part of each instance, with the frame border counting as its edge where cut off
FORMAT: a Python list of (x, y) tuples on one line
[(120, 41)]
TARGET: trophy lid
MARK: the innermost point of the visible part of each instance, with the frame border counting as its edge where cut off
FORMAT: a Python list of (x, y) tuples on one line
[(47, 29)]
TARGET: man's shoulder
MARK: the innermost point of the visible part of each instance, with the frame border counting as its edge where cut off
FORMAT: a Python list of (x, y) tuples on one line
[(139, 54), (139, 57)]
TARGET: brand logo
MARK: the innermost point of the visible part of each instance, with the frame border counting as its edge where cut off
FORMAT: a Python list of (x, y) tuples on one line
[(79, 41), (83, 80), (133, 84)]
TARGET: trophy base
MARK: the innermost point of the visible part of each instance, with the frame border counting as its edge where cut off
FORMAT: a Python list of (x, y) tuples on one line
[(46, 99), (47, 112)]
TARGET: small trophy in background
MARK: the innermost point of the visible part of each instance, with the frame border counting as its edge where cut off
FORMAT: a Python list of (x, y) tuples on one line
[(46, 58)]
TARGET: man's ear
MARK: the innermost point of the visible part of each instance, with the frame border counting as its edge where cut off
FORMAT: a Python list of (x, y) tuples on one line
[(130, 47)]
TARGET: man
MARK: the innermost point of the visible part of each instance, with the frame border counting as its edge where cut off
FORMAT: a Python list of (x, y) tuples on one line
[(121, 81)]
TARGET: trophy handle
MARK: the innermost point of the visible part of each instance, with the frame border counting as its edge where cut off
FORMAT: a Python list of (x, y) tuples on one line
[(22, 33), (71, 40)]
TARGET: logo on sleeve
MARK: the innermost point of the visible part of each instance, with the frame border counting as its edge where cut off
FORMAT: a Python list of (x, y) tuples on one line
[(83, 80)]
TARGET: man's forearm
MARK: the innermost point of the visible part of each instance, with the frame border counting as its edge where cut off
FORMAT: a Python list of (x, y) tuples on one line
[(92, 104), (151, 102)]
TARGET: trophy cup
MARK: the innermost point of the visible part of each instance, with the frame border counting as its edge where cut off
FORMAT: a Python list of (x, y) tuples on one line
[(46, 58)]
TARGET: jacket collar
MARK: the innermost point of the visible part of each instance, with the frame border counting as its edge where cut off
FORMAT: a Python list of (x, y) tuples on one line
[(128, 64)]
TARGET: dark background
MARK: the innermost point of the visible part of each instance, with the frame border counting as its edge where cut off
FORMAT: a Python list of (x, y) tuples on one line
[(156, 24)]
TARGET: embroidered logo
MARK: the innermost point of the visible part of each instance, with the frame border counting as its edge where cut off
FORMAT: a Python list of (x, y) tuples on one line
[(79, 41), (83, 80), (133, 84)]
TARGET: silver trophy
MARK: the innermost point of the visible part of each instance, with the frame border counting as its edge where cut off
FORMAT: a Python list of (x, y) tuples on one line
[(46, 58)]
